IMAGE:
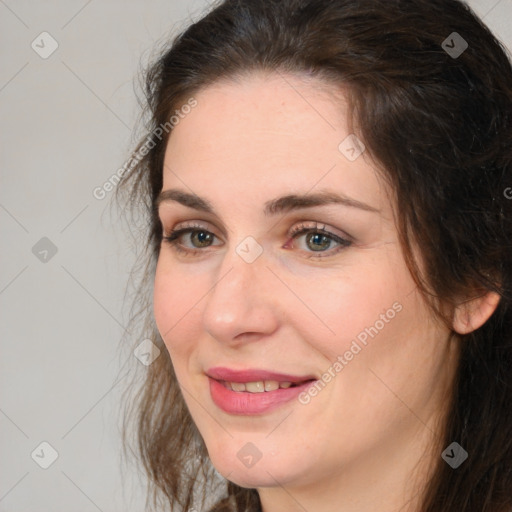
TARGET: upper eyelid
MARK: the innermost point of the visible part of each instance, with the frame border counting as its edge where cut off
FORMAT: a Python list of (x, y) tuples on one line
[(297, 215), (194, 225), (320, 227), (297, 229), (208, 224)]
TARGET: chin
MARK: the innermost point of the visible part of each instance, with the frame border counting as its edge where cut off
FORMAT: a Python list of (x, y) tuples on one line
[(263, 473), (250, 478)]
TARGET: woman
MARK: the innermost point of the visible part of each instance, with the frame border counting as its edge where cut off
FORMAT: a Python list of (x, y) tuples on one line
[(330, 249)]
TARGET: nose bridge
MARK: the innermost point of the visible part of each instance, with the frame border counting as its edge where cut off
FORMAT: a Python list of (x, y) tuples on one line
[(240, 301)]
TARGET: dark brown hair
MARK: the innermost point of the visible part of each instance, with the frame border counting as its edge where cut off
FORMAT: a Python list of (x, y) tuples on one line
[(440, 127)]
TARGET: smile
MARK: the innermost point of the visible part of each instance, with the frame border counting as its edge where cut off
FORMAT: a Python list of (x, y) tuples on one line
[(260, 386), (252, 392)]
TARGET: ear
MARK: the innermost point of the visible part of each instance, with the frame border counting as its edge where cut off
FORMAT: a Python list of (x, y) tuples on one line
[(472, 314)]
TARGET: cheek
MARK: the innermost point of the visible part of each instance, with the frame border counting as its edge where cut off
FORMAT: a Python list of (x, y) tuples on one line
[(164, 301), (356, 304), (174, 298)]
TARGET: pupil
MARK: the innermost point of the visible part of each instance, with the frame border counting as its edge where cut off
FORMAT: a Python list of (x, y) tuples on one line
[(203, 237), (317, 239)]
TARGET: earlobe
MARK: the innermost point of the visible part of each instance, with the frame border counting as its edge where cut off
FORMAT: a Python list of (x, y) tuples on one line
[(472, 314)]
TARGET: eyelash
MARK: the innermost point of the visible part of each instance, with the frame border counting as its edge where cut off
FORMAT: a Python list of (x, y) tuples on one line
[(173, 236)]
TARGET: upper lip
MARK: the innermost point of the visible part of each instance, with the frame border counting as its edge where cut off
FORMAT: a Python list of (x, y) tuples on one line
[(253, 375)]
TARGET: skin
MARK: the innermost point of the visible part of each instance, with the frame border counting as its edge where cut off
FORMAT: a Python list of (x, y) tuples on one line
[(369, 439)]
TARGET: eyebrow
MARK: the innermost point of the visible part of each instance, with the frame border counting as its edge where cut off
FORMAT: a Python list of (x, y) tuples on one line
[(272, 207)]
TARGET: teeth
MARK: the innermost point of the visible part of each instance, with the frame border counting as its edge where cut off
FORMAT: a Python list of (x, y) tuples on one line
[(238, 386), (271, 385), (257, 387)]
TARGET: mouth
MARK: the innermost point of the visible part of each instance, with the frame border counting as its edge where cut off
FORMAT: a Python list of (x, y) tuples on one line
[(223, 374), (261, 386), (250, 392)]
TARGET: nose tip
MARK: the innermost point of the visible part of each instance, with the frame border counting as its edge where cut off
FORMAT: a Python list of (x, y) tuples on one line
[(240, 306)]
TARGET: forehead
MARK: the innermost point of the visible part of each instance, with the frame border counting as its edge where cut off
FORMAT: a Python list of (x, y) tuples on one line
[(267, 134), (287, 112)]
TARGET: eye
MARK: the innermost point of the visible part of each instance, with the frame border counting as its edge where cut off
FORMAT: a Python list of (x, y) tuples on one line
[(318, 240), (197, 235)]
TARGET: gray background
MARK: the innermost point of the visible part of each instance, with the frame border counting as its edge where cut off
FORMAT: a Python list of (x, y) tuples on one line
[(66, 127)]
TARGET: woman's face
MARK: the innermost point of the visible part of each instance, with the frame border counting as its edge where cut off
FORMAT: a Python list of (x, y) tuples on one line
[(270, 291)]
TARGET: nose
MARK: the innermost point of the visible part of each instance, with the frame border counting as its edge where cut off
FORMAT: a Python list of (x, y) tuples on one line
[(242, 304)]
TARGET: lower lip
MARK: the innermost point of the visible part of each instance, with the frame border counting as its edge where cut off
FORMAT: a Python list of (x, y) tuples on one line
[(242, 402)]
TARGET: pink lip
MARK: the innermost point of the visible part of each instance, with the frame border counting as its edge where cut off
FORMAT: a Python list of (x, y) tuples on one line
[(221, 373), (245, 403)]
